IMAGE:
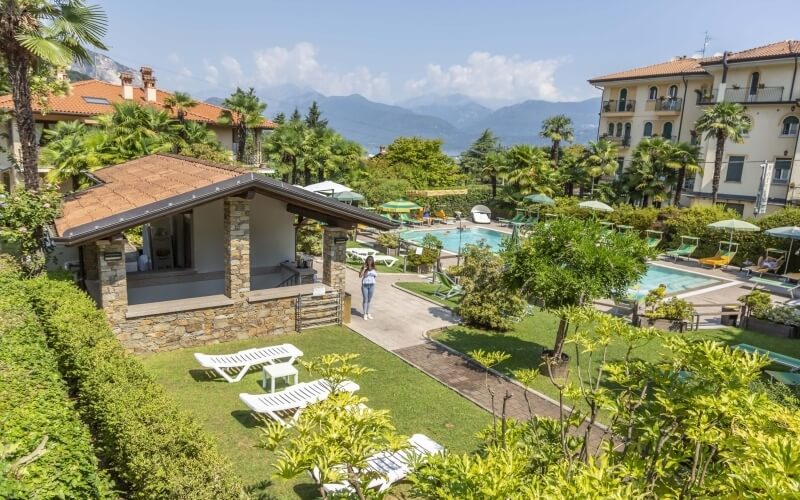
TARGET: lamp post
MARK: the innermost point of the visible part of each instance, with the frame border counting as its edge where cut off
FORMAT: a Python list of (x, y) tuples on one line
[(460, 232)]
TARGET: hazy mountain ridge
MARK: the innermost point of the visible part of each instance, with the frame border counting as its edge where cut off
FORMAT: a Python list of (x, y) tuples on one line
[(102, 67)]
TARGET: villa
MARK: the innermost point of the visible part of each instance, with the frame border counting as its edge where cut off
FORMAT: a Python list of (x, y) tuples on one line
[(220, 256), (665, 99), (90, 98)]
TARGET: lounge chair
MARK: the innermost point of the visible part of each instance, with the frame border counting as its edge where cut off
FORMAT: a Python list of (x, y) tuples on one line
[(688, 246), (386, 260), (652, 238), (783, 284), (518, 218), (723, 257), (233, 367), (771, 262), (392, 467), (409, 220), (447, 288), (480, 218), (285, 406), (781, 359), (786, 378), (360, 253)]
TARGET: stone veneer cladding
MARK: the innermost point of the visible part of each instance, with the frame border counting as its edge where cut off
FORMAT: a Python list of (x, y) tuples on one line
[(334, 257), (237, 247)]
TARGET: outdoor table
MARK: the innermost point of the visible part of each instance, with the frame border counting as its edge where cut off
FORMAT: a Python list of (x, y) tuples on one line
[(277, 370)]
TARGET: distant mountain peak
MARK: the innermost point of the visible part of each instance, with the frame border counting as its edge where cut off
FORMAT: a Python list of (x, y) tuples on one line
[(103, 67)]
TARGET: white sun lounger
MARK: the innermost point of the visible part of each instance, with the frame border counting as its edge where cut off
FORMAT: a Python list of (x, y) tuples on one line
[(291, 401), (232, 367), (389, 261), (393, 467), (361, 252)]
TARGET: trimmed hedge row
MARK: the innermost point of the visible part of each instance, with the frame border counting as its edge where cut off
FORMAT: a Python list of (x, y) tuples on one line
[(36, 413), (476, 195), (154, 449)]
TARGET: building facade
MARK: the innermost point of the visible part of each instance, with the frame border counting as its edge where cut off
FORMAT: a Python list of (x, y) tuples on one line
[(90, 98), (666, 99)]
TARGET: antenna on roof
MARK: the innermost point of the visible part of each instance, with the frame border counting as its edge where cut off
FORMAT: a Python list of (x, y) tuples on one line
[(706, 39)]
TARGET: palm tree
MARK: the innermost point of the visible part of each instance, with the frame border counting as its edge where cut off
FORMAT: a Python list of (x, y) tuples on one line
[(529, 168), (722, 121), (35, 35), (685, 159), (178, 103), (243, 110), (649, 174), (601, 159), (493, 164), (557, 128), (289, 145)]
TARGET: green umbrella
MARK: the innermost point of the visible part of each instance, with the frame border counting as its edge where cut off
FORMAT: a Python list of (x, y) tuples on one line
[(400, 206), (791, 232), (514, 238), (734, 225), (348, 196), (595, 206), (539, 198)]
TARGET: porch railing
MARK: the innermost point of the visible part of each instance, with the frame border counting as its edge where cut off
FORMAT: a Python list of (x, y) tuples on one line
[(617, 106), (673, 104), (762, 94)]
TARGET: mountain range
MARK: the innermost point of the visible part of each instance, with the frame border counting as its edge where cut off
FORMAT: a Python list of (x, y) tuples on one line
[(455, 118)]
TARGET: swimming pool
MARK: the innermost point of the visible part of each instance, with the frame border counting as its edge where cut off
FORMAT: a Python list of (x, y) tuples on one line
[(449, 237), (675, 280)]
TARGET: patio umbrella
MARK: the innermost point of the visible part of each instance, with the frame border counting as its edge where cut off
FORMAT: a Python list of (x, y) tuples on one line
[(400, 206), (734, 225), (791, 232), (348, 196), (539, 199), (595, 206), (327, 187)]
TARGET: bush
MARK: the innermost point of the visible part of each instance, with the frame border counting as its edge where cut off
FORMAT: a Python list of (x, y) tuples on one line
[(309, 238), (640, 218), (487, 301), (431, 249), (154, 449), (35, 410), (674, 309), (757, 303), (388, 239), (476, 195), (694, 221)]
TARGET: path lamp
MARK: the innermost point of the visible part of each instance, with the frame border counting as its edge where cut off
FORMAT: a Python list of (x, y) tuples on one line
[(460, 232)]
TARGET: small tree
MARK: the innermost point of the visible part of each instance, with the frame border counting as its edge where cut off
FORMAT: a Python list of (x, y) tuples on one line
[(571, 262), (24, 217)]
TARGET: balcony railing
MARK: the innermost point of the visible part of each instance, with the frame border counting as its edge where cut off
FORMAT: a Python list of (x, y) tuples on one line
[(615, 106), (763, 94), (671, 104), (706, 99), (622, 142)]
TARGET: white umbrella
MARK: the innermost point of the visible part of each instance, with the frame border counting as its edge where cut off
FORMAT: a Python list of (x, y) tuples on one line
[(327, 187), (733, 225), (595, 206), (791, 232)]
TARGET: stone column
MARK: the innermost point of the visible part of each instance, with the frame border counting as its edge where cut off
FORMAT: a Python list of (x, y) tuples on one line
[(334, 257), (236, 227), (113, 280), (90, 262)]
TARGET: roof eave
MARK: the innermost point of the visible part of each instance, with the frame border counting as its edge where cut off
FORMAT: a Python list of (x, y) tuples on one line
[(649, 77), (109, 226)]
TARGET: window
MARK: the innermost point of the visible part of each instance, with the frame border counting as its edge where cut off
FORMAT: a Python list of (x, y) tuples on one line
[(619, 130), (688, 183), (627, 130), (736, 207), (754, 78), (623, 98), (782, 168), (610, 129), (652, 93), (648, 129), (96, 100), (790, 125), (673, 91), (666, 132), (735, 168)]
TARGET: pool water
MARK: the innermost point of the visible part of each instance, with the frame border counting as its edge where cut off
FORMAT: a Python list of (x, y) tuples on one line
[(450, 237), (675, 280)]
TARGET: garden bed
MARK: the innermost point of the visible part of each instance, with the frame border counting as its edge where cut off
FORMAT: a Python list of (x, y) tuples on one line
[(771, 328)]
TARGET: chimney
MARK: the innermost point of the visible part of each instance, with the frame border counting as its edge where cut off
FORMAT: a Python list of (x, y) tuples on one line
[(127, 85), (148, 84), (381, 150), (61, 75)]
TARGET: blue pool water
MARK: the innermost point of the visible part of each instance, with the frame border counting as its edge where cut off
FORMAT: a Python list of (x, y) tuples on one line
[(676, 281), (449, 237)]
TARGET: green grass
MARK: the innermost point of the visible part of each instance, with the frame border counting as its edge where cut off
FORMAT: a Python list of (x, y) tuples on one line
[(537, 332), (426, 290), (418, 403), (381, 268)]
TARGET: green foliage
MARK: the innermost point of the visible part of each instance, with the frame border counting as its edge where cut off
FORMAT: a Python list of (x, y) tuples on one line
[(640, 218), (785, 315), (151, 447), (45, 450), (757, 302), (243, 110), (529, 170), (336, 368), (420, 162), (24, 217), (488, 301), (389, 239), (474, 160), (674, 309), (309, 238), (431, 250), (476, 195), (694, 221)]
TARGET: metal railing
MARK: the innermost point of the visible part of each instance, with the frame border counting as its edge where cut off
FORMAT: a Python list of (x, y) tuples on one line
[(673, 104), (762, 94), (706, 99), (615, 106), (622, 142)]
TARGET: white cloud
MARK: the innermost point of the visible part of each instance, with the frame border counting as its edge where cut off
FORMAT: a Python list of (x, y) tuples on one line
[(232, 68), (299, 65), (184, 72), (493, 76), (212, 73), (174, 58)]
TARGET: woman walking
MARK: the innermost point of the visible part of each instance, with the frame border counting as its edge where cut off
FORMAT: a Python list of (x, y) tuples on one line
[(368, 274)]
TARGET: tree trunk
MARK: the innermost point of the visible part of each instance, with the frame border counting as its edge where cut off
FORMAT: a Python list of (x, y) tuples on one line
[(294, 170), (561, 336), (645, 201), (494, 185), (307, 175), (569, 188), (554, 153), (679, 186), (242, 142), (720, 151), (18, 68), (320, 174)]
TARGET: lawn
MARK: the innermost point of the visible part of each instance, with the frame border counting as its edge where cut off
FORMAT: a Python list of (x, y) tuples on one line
[(426, 290), (381, 268), (418, 403), (526, 341)]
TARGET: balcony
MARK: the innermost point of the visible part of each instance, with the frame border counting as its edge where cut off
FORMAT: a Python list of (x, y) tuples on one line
[(615, 106), (763, 94), (621, 142), (706, 99), (666, 105)]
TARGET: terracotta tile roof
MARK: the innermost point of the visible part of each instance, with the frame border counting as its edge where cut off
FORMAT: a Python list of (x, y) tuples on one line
[(75, 104), (777, 50), (677, 67), (137, 183)]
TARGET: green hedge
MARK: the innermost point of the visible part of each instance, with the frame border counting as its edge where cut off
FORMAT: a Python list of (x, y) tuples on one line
[(476, 195), (154, 449), (34, 404)]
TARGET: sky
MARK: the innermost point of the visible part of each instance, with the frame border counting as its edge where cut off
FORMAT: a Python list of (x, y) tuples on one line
[(504, 51)]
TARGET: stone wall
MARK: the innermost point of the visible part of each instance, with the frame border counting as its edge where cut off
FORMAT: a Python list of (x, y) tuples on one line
[(166, 332), (334, 257), (236, 228), (113, 281)]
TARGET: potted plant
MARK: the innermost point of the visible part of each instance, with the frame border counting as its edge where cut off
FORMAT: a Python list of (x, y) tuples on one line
[(672, 315), (426, 255), (387, 242), (761, 316)]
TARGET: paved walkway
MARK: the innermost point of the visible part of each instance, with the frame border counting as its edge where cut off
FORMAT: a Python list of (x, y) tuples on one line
[(401, 320)]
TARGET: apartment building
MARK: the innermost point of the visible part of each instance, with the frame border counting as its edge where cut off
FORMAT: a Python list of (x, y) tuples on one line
[(90, 98), (666, 99)]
